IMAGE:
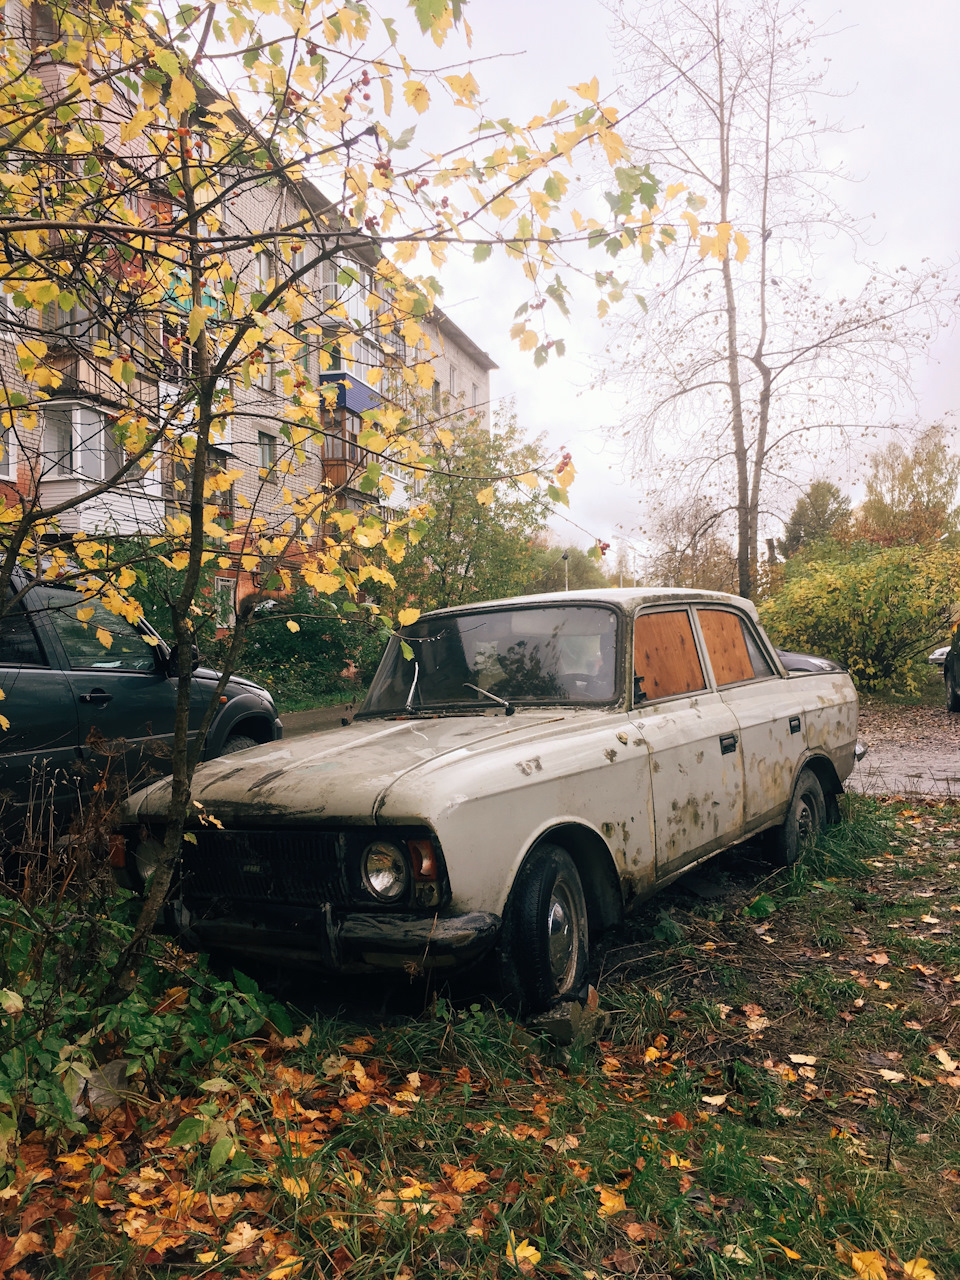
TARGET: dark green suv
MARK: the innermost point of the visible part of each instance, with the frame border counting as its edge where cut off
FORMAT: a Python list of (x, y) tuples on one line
[(80, 711), (951, 672)]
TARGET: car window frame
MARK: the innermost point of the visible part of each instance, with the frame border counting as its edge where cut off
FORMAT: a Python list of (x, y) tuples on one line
[(687, 607), (622, 621), (39, 635), (53, 644), (716, 606)]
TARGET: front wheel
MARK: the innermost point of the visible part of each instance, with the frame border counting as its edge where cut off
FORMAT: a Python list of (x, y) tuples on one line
[(950, 686), (545, 940), (239, 742), (805, 819)]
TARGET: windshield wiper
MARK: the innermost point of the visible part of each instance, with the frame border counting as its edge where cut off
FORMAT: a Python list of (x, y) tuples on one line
[(492, 696), (408, 705)]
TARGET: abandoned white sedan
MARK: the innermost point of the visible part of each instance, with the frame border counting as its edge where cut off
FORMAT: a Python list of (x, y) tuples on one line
[(519, 774)]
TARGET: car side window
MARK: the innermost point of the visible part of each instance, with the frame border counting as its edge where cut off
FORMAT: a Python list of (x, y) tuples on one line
[(83, 637), (19, 646), (734, 652), (665, 658)]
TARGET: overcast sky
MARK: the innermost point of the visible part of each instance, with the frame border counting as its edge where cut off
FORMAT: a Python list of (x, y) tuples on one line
[(898, 68)]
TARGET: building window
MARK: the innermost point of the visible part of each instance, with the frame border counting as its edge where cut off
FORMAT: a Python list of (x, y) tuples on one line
[(474, 395), (267, 449), (79, 441), (8, 465), (225, 601), (453, 381)]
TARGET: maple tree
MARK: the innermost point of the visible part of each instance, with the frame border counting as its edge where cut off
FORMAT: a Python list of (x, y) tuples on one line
[(201, 203)]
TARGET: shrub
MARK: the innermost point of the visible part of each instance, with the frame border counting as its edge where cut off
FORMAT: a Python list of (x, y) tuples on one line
[(877, 615), (330, 654)]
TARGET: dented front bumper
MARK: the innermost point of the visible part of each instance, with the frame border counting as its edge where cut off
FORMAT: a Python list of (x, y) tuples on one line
[(342, 943)]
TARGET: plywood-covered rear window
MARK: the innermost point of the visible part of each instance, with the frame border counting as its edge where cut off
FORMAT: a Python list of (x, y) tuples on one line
[(665, 658), (734, 653)]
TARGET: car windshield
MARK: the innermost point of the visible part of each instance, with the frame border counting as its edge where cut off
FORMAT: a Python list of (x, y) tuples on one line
[(564, 653)]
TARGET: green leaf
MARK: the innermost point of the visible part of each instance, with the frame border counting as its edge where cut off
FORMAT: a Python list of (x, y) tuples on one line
[(761, 907), (551, 188), (391, 29), (402, 140), (481, 252), (221, 1151), (187, 1132)]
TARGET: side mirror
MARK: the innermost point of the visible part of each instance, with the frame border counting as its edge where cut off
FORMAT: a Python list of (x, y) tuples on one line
[(173, 662)]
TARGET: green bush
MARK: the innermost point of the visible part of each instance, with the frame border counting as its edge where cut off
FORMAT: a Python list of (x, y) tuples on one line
[(60, 1027), (878, 615), (331, 655)]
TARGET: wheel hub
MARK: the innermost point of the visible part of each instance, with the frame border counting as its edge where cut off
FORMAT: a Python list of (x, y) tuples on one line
[(561, 936)]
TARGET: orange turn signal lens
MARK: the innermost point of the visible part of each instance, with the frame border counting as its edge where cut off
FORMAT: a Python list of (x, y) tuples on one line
[(424, 859)]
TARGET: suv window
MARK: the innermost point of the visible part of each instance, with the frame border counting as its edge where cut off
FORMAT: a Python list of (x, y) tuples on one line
[(127, 651), (734, 653), (665, 658), (19, 646)]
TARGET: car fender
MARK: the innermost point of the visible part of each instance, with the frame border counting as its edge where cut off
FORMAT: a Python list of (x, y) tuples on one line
[(581, 778), (246, 714)]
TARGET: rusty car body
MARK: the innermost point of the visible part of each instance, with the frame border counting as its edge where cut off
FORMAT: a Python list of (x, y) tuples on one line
[(520, 773)]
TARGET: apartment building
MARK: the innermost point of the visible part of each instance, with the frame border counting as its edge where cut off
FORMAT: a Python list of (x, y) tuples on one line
[(69, 453)]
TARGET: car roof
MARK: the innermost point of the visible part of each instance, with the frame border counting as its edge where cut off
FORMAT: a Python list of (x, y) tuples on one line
[(625, 598)]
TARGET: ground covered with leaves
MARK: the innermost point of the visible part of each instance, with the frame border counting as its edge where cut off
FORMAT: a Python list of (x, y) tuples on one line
[(769, 1088)]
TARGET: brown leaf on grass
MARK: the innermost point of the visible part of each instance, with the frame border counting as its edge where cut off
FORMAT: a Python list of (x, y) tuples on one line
[(621, 1261), (643, 1231), (342, 1260), (879, 958), (752, 1010), (678, 1121)]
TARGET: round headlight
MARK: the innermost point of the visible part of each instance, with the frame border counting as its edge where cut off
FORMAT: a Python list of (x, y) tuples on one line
[(147, 856), (384, 870)]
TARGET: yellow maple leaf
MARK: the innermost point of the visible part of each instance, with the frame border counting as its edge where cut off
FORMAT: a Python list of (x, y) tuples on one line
[(465, 1180), (502, 207), (485, 496), (869, 1265), (416, 95), (919, 1269), (407, 617), (104, 636), (182, 95), (133, 127), (589, 91), (522, 1253), (611, 1202), (292, 626), (85, 614), (298, 1187)]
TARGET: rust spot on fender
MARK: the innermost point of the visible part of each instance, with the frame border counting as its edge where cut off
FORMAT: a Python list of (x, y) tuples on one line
[(610, 754)]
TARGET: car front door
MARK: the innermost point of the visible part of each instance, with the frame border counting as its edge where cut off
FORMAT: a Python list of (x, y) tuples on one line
[(768, 709), (126, 702), (693, 739)]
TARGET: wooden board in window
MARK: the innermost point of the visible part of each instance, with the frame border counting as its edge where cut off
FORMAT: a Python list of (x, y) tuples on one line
[(665, 655), (723, 633)]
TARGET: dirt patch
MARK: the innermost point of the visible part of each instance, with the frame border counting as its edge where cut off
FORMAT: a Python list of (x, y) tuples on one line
[(911, 749)]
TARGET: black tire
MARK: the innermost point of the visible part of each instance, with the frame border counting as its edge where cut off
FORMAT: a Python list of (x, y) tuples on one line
[(238, 742), (546, 938), (950, 687), (805, 819)]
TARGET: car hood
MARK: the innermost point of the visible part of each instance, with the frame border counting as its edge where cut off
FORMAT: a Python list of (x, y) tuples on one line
[(345, 773)]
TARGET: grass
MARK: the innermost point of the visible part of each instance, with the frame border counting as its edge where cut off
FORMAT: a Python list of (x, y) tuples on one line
[(772, 1091)]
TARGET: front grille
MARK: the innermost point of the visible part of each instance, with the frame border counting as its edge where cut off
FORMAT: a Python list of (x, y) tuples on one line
[(300, 868)]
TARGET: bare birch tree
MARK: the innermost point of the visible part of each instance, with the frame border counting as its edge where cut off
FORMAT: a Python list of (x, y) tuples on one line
[(741, 370)]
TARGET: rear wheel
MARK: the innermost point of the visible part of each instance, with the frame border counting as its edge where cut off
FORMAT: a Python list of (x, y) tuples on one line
[(805, 819), (950, 686), (545, 941)]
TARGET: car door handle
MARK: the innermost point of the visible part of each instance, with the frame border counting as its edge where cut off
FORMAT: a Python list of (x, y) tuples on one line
[(728, 743), (99, 697), (794, 724)]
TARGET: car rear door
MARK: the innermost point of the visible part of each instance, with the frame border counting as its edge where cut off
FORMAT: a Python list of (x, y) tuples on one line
[(769, 711), (39, 755), (693, 739)]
